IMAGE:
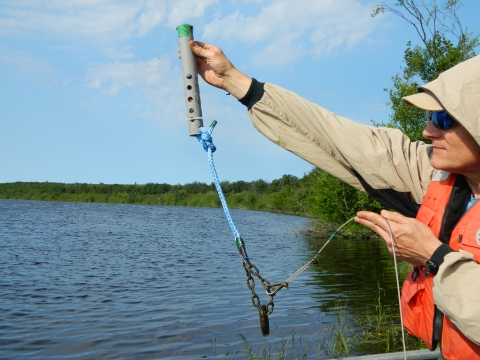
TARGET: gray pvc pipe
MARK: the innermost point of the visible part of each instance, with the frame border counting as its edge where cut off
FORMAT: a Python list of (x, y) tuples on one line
[(190, 80)]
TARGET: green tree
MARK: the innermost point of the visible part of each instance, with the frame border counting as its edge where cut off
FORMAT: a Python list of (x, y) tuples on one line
[(436, 23), (444, 44), (336, 202)]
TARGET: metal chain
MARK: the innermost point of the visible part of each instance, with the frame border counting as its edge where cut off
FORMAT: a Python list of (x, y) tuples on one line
[(250, 270), (205, 138)]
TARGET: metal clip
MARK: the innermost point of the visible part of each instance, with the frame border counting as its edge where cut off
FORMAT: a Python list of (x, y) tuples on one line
[(276, 288), (415, 273)]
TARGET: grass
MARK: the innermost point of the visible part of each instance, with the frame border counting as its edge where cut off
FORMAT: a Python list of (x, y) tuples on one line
[(374, 330), (378, 330), (340, 338), (291, 347)]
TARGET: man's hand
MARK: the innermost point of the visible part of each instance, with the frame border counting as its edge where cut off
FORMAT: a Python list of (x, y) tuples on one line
[(215, 68), (212, 64), (414, 241)]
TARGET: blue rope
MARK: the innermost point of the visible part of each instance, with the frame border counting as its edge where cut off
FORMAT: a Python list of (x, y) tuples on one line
[(205, 138)]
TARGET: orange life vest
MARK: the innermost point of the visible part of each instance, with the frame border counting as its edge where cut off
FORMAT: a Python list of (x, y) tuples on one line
[(420, 315)]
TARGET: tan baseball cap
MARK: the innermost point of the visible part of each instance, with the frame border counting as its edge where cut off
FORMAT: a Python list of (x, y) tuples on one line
[(423, 100), (456, 91)]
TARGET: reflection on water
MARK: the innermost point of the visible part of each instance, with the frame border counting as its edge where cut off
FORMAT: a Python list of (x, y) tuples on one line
[(352, 270), (110, 281)]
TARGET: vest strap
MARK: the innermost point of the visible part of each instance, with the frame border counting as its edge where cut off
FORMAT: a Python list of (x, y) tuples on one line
[(437, 327), (455, 208)]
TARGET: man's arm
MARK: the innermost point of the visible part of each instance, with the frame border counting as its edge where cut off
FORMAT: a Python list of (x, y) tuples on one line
[(382, 162), (457, 294)]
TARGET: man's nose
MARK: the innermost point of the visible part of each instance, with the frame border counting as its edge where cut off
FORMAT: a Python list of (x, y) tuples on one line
[(431, 131)]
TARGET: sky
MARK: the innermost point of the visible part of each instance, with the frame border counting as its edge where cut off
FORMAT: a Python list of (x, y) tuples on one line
[(91, 90)]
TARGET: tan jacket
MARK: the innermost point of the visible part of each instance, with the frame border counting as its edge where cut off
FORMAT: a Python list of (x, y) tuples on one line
[(386, 164)]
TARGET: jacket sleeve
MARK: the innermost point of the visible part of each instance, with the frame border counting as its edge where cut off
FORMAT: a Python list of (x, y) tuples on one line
[(454, 294), (380, 161)]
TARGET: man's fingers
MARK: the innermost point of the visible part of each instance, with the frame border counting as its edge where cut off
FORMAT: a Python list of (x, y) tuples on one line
[(200, 49), (393, 216), (196, 47), (373, 221), (376, 223)]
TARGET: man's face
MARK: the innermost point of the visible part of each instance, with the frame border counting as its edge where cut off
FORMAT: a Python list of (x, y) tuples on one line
[(454, 150)]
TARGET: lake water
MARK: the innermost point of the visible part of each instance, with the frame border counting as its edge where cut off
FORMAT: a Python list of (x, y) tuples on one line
[(106, 281)]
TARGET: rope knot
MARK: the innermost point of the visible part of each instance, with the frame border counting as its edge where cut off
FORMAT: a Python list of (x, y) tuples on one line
[(205, 138)]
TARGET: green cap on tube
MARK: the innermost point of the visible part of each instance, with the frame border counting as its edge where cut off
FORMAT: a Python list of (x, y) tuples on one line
[(184, 30)]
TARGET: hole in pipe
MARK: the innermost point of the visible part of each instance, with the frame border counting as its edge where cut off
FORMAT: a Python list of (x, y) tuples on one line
[(190, 99)]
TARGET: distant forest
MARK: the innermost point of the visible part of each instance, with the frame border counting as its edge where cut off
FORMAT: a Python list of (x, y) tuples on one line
[(254, 195), (317, 194)]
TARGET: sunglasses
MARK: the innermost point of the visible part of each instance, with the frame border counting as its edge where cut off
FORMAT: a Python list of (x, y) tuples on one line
[(441, 119)]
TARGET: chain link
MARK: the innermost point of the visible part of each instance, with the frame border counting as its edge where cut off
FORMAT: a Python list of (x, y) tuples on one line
[(251, 270)]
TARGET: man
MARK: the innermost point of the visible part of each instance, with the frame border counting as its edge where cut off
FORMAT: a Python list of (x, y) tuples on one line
[(439, 184)]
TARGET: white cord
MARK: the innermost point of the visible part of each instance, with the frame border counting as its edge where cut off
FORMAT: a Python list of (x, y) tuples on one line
[(304, 267), (398, 289)]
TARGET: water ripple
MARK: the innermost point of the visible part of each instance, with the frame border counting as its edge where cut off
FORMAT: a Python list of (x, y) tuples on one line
[(83, 281)]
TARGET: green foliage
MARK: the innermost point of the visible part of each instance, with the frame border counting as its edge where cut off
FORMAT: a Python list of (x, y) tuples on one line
[(409, 119), (438, 55), (422, 65), (278, 196), (336, 202), (435, 23)]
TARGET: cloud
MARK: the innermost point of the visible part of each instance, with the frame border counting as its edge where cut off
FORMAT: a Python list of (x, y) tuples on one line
[(160, 82), (117, 76), (23, 63), (105, 19), (277, 32), (286, 30), (156, 79), (34, 69), (99, 18), (182, 11)]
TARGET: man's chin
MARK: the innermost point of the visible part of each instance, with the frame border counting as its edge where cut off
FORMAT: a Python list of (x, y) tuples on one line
[(440, 165)]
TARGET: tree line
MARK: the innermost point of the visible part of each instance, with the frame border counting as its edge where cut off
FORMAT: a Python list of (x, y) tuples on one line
[(316, 194), (444, 44)]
